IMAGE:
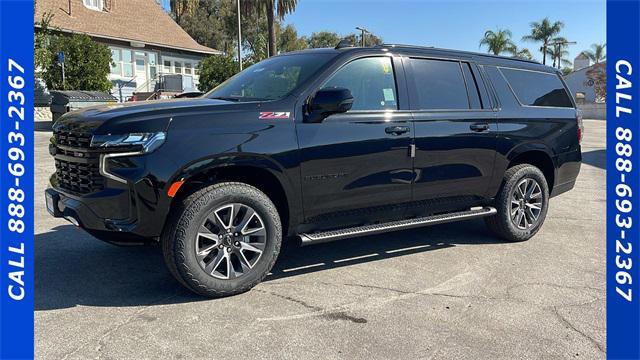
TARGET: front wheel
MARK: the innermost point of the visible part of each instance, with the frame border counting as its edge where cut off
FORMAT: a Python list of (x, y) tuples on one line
[(522, 204), (223, 240)]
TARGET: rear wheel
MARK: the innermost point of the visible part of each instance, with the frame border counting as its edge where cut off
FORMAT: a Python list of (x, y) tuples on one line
[(522, 204), (223, 240)]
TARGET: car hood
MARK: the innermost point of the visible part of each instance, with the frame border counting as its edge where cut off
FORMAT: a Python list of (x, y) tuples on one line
[(143, 116)]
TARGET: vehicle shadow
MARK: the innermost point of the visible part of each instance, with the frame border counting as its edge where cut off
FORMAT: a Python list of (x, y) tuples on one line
[(73, 268), (597, 158)]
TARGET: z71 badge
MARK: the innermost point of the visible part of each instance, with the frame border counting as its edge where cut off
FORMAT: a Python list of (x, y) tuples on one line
[(274, 115)]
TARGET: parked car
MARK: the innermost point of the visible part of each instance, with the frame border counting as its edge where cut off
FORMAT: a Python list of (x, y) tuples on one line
[(322, 145)]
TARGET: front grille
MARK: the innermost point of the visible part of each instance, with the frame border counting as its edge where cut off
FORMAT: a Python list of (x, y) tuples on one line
[(72, 139), (77, 167)]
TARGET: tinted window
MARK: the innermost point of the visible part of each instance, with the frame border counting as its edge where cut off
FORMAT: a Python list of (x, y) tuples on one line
[(472, 87), (270, 79), (440, 84), (537, 88), (371, 82)]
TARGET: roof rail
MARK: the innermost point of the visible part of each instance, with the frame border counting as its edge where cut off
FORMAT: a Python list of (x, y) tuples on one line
[(459, 51)]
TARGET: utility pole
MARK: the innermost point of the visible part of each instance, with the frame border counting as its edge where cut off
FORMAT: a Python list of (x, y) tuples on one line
[(557, 44), (362, 37), (239, 38)]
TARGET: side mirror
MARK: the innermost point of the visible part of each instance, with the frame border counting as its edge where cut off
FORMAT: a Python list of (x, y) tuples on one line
[(326, 102)]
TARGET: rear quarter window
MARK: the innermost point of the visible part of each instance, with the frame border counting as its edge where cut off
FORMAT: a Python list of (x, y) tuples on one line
[(534, 88)]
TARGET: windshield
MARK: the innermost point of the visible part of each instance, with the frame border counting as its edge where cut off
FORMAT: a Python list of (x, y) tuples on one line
[(270, 79)]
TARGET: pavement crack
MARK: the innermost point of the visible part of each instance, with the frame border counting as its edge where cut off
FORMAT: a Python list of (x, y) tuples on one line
[(111, 330), (569, 325)]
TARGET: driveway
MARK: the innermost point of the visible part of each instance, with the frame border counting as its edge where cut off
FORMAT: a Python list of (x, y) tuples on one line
[(450, 291)]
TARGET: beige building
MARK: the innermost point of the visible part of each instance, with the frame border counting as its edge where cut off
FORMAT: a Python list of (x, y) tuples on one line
[(150, 51)]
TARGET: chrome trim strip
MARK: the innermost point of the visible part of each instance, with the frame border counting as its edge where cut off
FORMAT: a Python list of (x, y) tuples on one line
[(103, 164)]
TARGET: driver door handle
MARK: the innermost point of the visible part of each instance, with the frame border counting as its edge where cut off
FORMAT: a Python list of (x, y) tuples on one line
[(396, 130), (479, 127)]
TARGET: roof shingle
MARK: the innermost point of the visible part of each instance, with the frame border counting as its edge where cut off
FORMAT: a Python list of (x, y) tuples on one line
[(129, 20)]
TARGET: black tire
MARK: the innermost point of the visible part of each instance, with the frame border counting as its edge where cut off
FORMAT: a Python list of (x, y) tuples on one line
[(501, 223), (179, 238)]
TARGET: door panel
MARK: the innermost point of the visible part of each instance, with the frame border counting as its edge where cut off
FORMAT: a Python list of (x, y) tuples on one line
[(356, 161), (455, 130), (455, 154)]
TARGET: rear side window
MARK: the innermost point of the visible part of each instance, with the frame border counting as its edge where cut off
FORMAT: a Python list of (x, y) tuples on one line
[(440, 85), (535, 88)]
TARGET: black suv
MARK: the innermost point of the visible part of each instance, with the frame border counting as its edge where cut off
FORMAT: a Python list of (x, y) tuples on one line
[(320, 145)]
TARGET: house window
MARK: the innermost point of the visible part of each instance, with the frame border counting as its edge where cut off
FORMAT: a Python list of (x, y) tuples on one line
[(94, 4), (196, 69), (127, 63), (116, 59), (187, 68), (167, 66), (178, 67)]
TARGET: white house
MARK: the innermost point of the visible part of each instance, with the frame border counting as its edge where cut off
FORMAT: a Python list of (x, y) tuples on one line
[(151, 52)]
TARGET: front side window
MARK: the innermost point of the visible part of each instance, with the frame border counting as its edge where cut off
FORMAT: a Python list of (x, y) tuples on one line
[(167, 66), (440, 85), (271, 79), (371, 82), (93, 4), (534, 88), (178, 67), (187, 68)]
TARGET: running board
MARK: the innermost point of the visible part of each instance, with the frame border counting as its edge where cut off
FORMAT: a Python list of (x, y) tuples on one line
[(332, 235)]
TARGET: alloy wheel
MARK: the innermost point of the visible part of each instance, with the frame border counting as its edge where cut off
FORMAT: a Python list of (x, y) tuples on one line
[(526, 204), (231, 241)]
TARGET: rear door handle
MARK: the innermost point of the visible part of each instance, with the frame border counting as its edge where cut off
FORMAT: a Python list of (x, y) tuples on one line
[(479, 127), (396, 130)]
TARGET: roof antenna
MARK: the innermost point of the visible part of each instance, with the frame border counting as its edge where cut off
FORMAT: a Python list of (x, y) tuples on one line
[(344, 43)]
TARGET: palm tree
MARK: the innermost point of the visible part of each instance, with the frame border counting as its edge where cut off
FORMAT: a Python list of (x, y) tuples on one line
[(523, 53), (543, 32), (273, 9), (498, 41), (597, 53), (558, 52)]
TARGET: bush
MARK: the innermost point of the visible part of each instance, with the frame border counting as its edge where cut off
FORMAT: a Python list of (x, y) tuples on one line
[(216, 69), (86, 63)]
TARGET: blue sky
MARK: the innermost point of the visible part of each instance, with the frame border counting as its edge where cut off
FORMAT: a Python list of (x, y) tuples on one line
[(452, 24)]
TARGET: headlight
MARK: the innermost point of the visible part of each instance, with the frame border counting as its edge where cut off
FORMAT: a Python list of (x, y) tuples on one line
[(147, 142)]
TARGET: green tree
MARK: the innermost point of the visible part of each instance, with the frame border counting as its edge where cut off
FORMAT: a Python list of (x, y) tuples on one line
[(597, 53), (520, 53), (274, 10), (212, 23), (567, 70), (214, 70), (543, 31), (42, 38), (323, 39), (497, 42), (87, 64), (558, 52), (288, 39), (370, 39)]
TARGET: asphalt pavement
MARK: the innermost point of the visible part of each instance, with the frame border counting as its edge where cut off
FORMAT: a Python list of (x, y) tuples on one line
[(450, 291)]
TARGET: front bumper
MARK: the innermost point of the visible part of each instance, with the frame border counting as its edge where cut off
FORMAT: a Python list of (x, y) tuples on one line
[(61, 205)]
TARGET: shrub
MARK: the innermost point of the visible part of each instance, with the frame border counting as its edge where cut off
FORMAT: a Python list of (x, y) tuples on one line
[(216, 69), (86, 64)]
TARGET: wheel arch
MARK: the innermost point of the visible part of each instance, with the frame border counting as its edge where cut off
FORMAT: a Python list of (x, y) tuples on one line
[(537, 155), (253, 169)]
